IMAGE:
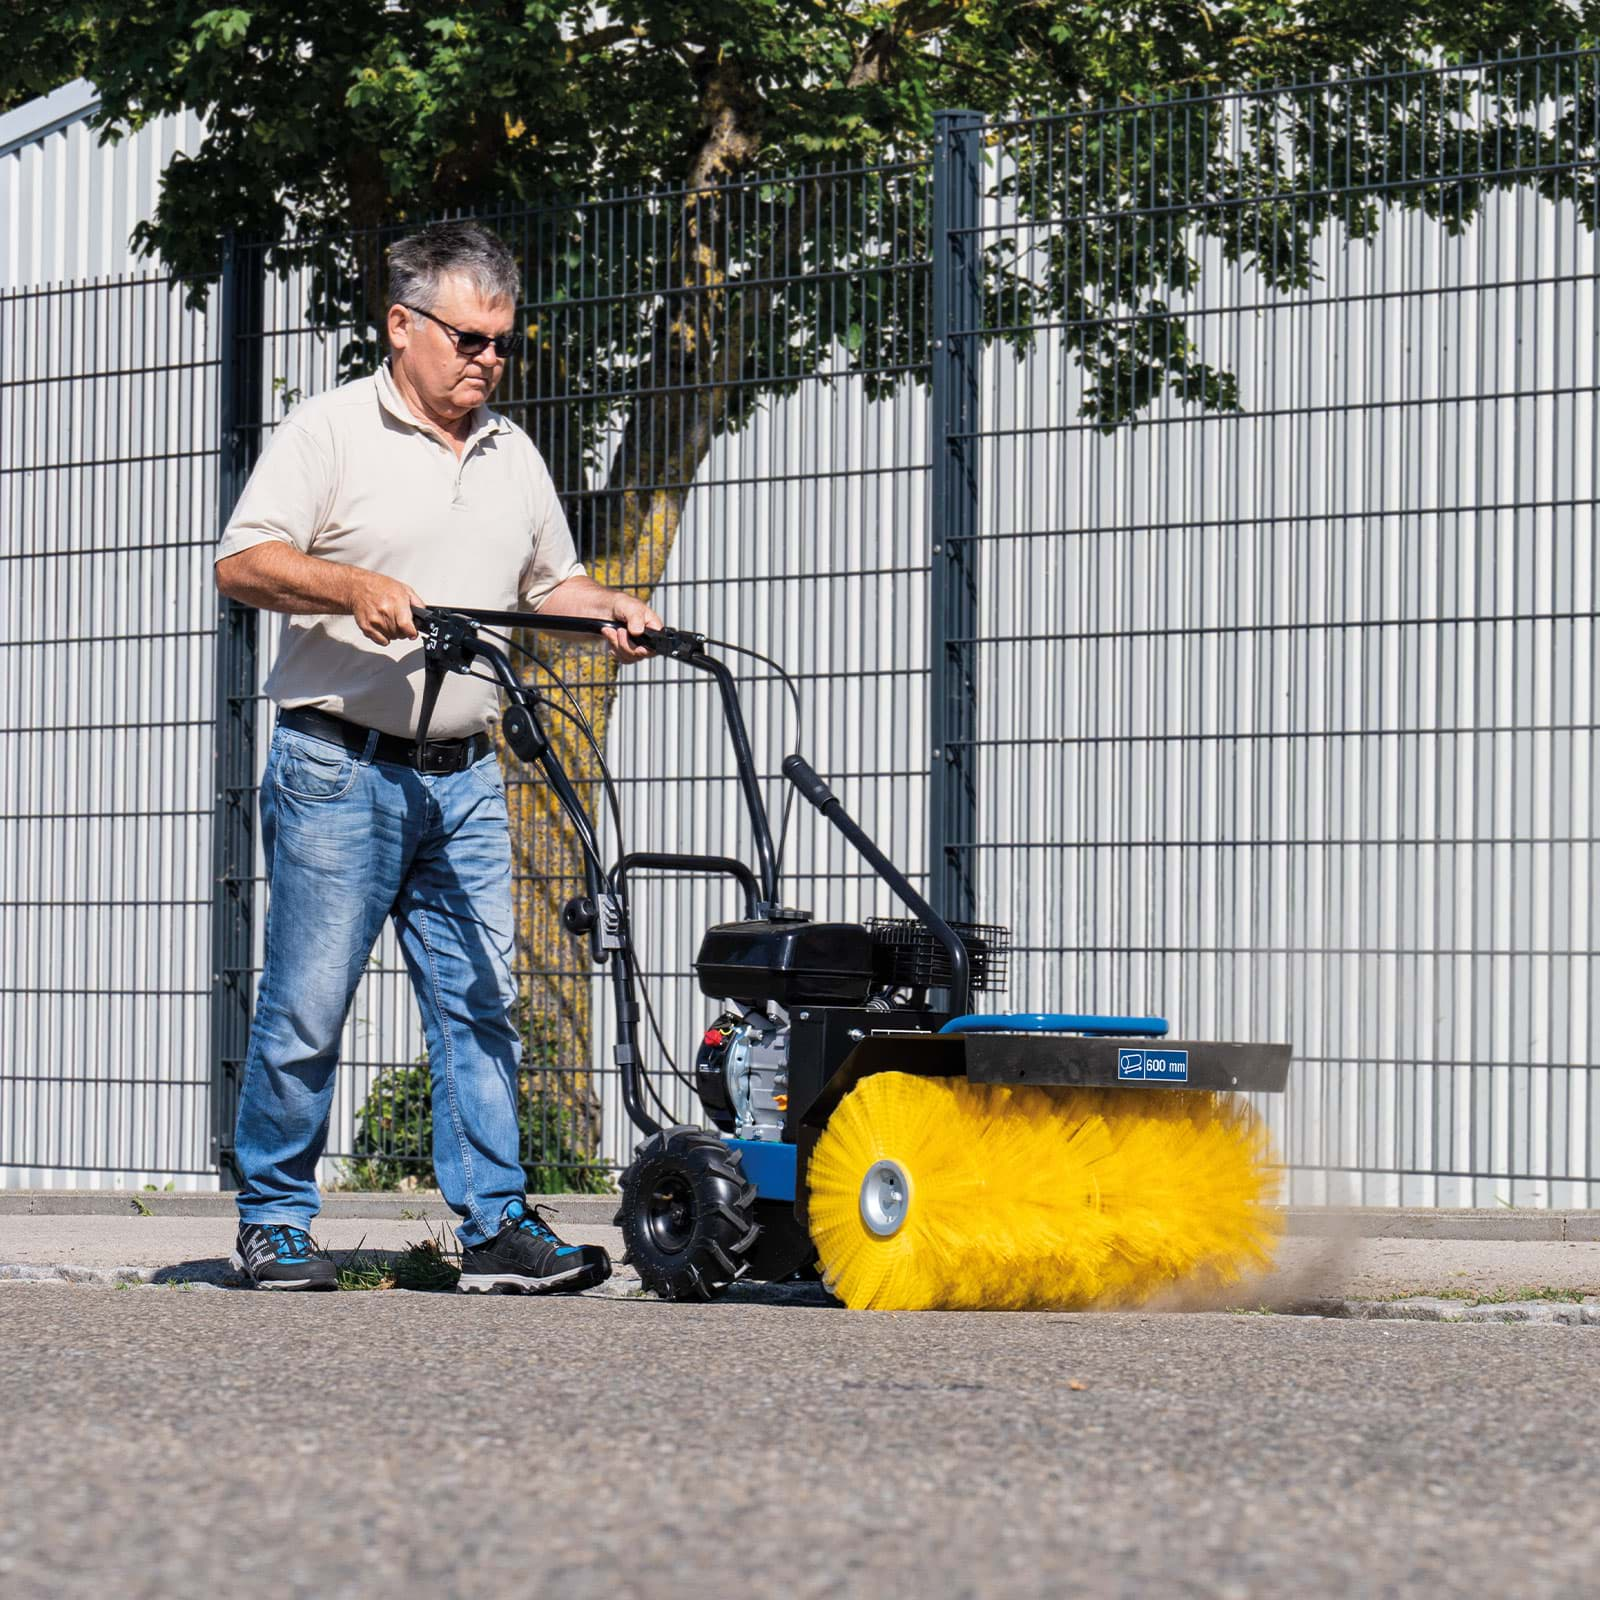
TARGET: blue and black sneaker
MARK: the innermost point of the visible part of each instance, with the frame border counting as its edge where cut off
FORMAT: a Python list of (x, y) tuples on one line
[(272, 1255), (527, 1257)]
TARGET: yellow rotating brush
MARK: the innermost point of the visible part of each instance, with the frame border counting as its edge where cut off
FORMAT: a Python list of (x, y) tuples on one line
[(938, 1193)]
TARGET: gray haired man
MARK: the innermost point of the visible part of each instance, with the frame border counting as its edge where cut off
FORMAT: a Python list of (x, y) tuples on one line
[(400, 489)]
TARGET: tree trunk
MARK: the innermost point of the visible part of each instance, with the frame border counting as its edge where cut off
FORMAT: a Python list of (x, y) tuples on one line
[(684, 402)]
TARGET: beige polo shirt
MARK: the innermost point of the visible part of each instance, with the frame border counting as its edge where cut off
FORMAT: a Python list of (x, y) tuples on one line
[(354, 476)]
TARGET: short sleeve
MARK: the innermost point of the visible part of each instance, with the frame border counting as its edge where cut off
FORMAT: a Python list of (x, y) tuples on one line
[(287, 496), (553, 558)]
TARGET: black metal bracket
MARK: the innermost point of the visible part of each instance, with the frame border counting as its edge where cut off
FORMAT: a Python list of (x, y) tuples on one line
[(449, 644)]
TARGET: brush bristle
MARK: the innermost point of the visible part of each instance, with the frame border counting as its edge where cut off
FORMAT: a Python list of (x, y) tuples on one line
[(1039, 1199)]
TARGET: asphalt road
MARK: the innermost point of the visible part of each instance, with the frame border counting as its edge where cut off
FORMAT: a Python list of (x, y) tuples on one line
[(176, 1442)]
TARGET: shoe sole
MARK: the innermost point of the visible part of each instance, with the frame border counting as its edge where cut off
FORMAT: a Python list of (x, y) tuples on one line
[(236, 1261), (517, 1283)]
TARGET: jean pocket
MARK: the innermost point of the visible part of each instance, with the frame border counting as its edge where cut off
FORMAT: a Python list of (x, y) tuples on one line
[(488, 773), (312, 769)]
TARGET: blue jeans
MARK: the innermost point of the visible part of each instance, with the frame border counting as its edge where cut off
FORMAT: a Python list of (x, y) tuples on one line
[(350, 841)]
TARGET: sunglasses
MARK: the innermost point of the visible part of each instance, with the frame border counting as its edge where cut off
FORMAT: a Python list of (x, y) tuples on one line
[(468, 342)]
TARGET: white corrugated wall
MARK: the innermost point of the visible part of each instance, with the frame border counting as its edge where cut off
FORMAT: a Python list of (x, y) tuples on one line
[(107, 509), (1249, 758)]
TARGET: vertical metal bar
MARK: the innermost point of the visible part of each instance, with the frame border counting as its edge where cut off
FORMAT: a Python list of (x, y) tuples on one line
[(953, 511), (234, 751)]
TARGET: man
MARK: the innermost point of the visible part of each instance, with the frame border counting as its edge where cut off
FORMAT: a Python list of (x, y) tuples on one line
[(399, 490)]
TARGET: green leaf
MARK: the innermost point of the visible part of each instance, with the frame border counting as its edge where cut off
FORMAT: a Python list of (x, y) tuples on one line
[(226, 27)]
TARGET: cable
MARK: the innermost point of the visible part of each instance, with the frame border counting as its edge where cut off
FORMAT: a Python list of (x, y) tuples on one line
[(655, 1028), (574, 713), (799, 732)]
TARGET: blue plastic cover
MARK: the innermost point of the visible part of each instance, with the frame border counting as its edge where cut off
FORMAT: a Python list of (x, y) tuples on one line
[(769, 1165), (1060, 1022)]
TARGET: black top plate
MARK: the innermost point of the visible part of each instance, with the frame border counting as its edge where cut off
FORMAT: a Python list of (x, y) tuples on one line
[(1056, 1059)]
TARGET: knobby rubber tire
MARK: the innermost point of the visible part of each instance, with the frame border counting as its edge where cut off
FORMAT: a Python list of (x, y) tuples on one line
[(687, 1214)]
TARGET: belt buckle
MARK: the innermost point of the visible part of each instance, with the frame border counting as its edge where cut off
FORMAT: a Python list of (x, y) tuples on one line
[(439, 759)]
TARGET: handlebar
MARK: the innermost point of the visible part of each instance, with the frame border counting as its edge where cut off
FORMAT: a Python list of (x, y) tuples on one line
[(675, 642)]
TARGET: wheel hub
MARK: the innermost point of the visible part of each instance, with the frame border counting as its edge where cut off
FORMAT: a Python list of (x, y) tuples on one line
[(669, 1213), (885, 1198)]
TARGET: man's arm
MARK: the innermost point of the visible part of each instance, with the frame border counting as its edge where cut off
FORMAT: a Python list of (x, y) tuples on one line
[(581, 596), (275, 576)]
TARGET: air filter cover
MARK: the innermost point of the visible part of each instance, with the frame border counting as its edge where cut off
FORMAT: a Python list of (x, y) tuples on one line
[(794, 963)]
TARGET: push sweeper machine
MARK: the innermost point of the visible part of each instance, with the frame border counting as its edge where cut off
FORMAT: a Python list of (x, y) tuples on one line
[(867, 1124)]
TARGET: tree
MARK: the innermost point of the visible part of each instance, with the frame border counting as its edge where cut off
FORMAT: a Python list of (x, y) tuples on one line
[(327, 123)]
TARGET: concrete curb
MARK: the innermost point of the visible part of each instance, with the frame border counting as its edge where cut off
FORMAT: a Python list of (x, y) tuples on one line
[(623, 1284), (1329, 1222), (1430, 1308), (1375, 1222), (590, 1210)]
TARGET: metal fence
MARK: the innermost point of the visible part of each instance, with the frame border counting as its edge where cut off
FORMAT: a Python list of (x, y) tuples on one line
[(108, 497), (1180, 520), (1285, 517)]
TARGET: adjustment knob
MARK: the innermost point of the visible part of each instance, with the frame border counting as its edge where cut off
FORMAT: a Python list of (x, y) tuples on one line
[(523, 734), (579, 915)]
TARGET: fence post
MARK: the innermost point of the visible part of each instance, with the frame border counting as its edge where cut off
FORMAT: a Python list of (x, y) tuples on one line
[(234, 749), (953, 509)]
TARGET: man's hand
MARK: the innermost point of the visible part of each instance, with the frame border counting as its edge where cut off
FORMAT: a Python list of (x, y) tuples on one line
[(635, 616), (382, 606), (581, 596)]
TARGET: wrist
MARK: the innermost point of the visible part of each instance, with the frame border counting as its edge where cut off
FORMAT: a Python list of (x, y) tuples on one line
[(351, 587)]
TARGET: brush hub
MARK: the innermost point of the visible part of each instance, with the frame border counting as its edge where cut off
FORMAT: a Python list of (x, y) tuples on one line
[(885, 1198)]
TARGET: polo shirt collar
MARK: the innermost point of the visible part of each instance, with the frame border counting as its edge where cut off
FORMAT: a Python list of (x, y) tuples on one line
[(484, 421)]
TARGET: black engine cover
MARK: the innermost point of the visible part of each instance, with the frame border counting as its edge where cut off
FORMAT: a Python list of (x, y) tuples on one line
[(794, 963)]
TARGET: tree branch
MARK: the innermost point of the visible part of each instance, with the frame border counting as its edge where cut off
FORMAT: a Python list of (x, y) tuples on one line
[(604, 38)]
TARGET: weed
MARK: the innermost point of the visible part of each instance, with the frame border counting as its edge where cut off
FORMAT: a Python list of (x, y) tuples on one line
[(424, 1265), (1501, 1297), (139, 1207), (360, 1270)]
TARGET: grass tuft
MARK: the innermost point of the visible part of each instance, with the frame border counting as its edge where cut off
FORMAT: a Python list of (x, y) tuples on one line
[(363, 1270), (426, 1266), (1500, 1297)]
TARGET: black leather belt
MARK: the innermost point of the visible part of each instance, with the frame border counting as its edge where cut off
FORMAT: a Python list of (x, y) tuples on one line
[(440, 755)]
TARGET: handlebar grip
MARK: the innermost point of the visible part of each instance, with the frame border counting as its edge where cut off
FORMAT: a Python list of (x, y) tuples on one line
[(803, 776), (671, 641)]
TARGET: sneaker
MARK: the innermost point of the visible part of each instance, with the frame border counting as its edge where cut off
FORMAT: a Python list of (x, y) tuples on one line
[(527, 1257), (272, 1255)]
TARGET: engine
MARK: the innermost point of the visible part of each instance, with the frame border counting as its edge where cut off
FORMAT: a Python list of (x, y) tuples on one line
[(742, 1072), (761, 968)]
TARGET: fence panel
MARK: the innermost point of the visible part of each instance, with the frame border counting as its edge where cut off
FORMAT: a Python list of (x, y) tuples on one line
[(107, 513), (1286, 657)]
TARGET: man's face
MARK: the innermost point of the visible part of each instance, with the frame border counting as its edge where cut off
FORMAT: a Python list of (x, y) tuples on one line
[(449, 383)]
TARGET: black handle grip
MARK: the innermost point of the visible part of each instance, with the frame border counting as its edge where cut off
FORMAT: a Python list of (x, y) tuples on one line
[(671, 641), (804, 777)]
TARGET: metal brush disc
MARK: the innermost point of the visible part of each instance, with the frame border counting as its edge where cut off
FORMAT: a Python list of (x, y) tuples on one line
[(885, 1198)]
